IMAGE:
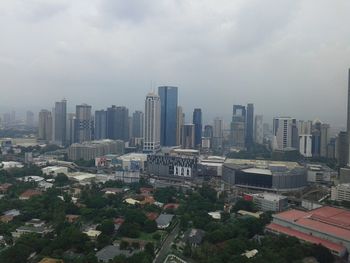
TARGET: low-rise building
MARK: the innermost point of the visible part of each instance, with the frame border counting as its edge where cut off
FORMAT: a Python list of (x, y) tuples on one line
[(91, 149), (268, 201), (10, 165), (26, 195), (341, 192), (163, 221), (35, 226), (328, 226), (54, 170), (318, 174)]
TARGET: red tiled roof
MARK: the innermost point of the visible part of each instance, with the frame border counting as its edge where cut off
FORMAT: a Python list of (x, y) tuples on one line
[(330, 220), (171, 206), (119, 221), (308, 238), (152, 216), (30, 193)]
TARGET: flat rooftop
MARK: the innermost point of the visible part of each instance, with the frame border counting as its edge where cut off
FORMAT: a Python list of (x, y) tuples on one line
[(257, 171), (262, 164)]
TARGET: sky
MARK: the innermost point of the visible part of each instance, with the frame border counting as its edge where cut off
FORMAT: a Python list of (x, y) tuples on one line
[(289, 58)]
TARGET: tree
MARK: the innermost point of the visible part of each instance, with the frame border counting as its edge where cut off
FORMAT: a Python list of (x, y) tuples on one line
[(322, 254), (106, 227), (150, 226), (149, 249), (61, 179)]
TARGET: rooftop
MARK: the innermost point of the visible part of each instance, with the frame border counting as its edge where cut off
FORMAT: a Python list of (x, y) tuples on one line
[(309, 238), (257, 171), (330, 220)]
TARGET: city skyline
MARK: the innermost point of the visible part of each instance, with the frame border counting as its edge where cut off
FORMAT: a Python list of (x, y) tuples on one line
[(112, 47)]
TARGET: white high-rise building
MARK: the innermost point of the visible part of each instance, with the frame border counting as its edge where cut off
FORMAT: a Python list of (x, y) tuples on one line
[(152, 123), (259, 129), (283, 132), (305, 138)]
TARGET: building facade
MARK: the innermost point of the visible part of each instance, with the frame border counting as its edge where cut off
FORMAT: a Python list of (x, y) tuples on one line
[(197, 121), (168, 98), (152, 123), (188, 136), (60, 122), (259, 130), (83, 123), (45, 126)]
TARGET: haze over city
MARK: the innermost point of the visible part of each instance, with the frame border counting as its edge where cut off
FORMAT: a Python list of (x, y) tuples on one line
[(287, 57)]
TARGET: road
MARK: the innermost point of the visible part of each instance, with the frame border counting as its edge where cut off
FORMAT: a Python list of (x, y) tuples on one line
[(161, 255)]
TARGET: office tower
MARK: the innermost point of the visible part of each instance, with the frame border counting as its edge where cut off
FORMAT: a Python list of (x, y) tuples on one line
[(197, 121), (60, 122), (137, 124), (283, 129), (118, 123), (100, 125), (83, 123), (342, 149), (217, 133), (152, 123), (324, 139), (30, 119), (348, 116), (316, 138), (331, 148), (305, 138), (179, 123), (45, 126), (208, 131), (258, 130), (250, 125), (238, 127), (70, 128), (168, 100), (188, 136)]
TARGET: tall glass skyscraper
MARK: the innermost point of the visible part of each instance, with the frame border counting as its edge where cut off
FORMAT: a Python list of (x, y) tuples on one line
[(100, 124), (168, 101), (197, 121)]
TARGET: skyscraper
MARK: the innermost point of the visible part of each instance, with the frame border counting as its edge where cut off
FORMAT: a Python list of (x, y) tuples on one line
[(218, 133), (45, 126), (60, 122), (238, 127), (137, 124), (118, 123), (168, 98), (259, 130), (197, 121), (325, 139), (305, 138), (100, 124), (179, 123), (283, 128), (29, 118), (152, 123), (70, 128), (188, 136), (83, 123), (250, 125)]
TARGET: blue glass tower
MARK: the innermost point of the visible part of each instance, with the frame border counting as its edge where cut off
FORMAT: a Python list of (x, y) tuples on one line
[(197, 121), (168, 116)]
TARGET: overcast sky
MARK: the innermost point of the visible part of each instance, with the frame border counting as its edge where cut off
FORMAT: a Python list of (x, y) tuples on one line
[(288, 57)]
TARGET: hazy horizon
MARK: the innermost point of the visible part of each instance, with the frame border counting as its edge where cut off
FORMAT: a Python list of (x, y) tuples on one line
[(288, 58)]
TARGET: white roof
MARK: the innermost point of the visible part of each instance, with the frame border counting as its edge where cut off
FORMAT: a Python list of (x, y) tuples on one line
[(257, 171)]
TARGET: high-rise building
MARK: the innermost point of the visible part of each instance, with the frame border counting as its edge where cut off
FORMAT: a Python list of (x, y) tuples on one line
[(100, 125), (151, 141), (348, 122), (259, 130), (342, 149), (324, 139), (197, 121), (208, 131), (188, 136), (316, 138), (70, 128), (250, 125), (218, 133), (238, 127), (60, 122), (305, 138), (284, 129), (168, 98), (137, 124), (45, 126), (83, 123), (118, 123), (30, 119), (179, 123)]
